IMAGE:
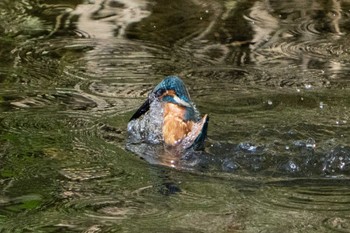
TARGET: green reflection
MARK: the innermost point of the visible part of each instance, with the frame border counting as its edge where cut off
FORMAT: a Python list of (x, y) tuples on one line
[(273, 76)]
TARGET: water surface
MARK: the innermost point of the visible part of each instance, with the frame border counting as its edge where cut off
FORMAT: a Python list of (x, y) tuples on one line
[(272, 75)]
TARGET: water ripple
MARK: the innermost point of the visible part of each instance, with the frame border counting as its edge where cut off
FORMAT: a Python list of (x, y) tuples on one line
[(113, 208), (311, 195)]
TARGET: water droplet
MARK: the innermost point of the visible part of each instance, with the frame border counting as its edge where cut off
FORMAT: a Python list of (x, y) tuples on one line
[(307, 86), (321, 105), (310, 143)]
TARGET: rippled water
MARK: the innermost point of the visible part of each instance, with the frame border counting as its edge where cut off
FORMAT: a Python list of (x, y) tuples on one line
[(272, 75)]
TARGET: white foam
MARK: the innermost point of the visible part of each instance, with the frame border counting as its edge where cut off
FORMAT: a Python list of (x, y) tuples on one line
[(147, 128)]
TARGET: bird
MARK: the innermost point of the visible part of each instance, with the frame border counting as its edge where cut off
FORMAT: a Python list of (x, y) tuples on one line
[(181, 125)]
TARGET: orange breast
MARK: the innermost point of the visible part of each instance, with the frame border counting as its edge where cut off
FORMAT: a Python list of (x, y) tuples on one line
[(175, 127)]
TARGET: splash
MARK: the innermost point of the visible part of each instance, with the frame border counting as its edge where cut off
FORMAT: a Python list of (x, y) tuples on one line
[(147, 129)]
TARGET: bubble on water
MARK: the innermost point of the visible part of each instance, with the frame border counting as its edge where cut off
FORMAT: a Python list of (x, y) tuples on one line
[(246, 146), (299, 143), (290, 166), (337, 161), (305, 147), (229, 165)]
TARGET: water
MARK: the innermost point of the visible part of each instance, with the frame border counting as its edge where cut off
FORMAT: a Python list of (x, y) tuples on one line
[(271, 75)]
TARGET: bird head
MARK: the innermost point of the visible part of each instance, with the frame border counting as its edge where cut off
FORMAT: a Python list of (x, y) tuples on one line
[(171, 90)]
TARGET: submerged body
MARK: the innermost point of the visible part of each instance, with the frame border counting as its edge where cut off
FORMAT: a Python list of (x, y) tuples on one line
[(180, 126)]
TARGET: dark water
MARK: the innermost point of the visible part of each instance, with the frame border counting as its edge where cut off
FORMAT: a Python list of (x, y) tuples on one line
[(272, 75)]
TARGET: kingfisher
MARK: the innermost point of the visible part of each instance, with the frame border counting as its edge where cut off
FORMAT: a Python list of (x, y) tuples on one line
[(169, 113)]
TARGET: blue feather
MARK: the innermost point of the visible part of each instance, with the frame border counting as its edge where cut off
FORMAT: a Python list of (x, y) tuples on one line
[(173, 83)]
